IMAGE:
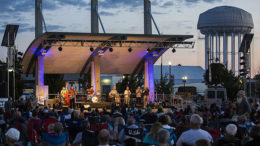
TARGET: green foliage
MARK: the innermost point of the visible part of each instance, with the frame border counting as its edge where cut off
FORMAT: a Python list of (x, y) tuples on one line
[(165, 85), (85, 81), (220, 75), (133, 81), (55, 82), (257, 77)]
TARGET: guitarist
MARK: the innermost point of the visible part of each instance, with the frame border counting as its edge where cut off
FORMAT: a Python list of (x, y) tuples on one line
[(113, 94), (72, 95)]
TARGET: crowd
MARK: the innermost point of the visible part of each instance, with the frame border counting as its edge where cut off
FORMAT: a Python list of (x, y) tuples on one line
[(233, 123)]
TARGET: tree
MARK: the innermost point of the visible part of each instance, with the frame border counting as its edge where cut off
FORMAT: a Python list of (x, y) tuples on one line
[(220, 75), (132, 81), (55, 82), (257, 77), (85, 81), (165, 85)]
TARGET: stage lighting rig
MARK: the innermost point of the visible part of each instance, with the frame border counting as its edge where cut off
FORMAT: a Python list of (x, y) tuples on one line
[(111, 49), (130, 49), (60, 48), (91, 49)]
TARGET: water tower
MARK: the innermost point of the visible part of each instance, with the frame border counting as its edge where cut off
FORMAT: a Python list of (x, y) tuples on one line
[(221, 26)]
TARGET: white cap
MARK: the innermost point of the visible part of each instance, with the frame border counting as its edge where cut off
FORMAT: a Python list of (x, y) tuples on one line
[(13, 134), (231, 129)]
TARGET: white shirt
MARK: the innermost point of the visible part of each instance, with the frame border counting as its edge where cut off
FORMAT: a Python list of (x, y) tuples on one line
[(190, 137)]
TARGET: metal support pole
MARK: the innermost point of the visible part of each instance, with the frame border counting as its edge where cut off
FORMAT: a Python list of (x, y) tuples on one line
[(38, 18), (239, 53), (216, 53), (94, 16), (212, 49), (7, 61), (233, 57), (147, 17), (219, 48), (225, 50), (206, 51), (14, 52)]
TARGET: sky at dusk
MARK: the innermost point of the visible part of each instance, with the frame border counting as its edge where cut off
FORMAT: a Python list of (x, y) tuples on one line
[(125, 16)]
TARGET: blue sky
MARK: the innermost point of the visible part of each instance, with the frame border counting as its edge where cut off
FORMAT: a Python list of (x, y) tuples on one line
[(125, 16)]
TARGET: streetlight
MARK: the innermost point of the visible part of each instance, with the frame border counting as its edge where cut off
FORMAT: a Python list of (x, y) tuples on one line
[(170, 67), (184, 79), (170, 72)]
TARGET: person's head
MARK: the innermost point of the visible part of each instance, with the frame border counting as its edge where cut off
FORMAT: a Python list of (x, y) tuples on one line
[(76, 114), (231, 129), (58, 128), (131, 120), (242, 119), (164, 119), (241, 94), (114, 87), (195, 121), (163, 137), (255, 132), (202, 142), (72, 87), (127, 88), (63, 88), (12, 136), (103, 137), (138, 87), (17, 114), (35, 113), (154, 130), (130, 142), (85, 125)]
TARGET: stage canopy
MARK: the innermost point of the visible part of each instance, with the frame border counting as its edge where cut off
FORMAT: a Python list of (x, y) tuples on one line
[(71, 53)]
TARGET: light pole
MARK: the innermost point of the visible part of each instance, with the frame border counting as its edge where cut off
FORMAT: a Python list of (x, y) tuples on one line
[(184, 79), (170, 72), (170, 69)]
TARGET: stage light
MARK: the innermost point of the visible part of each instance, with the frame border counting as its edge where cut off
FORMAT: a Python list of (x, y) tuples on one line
[(60, 48), (148, 50), (173, 50), (130, 49), (111, 49), (91, 49)]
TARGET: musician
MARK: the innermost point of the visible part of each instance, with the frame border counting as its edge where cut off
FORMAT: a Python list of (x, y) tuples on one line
[(72, 95), (146, 93), (113, 94), (64, 95), (138, 94), (127, 94), (91, 91)]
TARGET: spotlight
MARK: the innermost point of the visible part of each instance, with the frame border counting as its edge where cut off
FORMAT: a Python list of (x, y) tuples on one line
[(91, 49), (130, 49), (173, 50), (111, 49), (148, 50), (60, 48)]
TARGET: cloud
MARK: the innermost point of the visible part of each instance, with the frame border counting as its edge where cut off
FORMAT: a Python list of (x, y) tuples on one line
[(120, 3), (167, 4), (105, 13), (158, 13)]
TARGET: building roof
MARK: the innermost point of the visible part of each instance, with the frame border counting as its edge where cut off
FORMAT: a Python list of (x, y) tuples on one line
[(76, 56)]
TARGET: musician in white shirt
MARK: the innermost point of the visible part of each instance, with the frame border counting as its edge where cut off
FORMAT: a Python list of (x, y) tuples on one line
[(127, 94)]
